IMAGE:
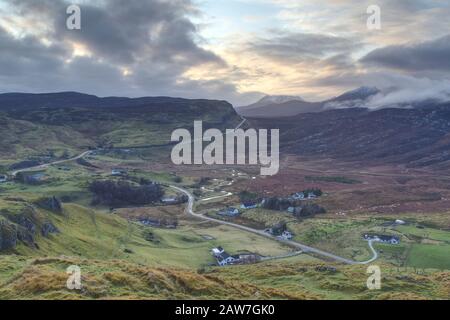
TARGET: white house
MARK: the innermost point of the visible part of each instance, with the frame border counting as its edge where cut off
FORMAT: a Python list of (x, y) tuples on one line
[(400, 222), (298, 196), (224, 259), (249, 205), (229, 212), (118, 172), (286, 235), (382, 238), (170, 200), (217, 251)]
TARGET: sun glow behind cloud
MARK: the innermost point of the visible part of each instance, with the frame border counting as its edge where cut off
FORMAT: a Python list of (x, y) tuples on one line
[(224, 49)]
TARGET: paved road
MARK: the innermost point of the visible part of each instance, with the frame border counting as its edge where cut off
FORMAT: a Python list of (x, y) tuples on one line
[(297, 245), (190, 205), (46, 165)]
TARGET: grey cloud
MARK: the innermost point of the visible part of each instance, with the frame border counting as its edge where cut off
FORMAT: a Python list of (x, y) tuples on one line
[(154, 39), (426, 56), (298, 47)]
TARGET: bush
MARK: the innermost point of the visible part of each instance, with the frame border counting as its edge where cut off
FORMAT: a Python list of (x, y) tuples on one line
[(310, 209), (278, 204), (247, 196), (177, 179)]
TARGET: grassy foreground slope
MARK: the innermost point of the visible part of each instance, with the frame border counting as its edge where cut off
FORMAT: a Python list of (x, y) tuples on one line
[(45, 278), (117, 261)]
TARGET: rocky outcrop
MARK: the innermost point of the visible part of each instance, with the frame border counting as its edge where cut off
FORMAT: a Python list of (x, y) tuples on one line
[(48, 228), (11, 234), (8, 236), (52, 204), (23, 228)]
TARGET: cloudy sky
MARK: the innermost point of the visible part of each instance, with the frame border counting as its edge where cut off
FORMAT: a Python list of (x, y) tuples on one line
[(225, 49)]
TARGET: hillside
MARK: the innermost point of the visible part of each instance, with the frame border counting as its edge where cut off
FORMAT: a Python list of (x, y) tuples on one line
[(45, 278), (47, 226), (43, 124), (416, 137)]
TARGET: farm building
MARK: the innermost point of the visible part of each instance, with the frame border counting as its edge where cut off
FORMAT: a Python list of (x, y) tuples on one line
[(118, 172), (382, 238), (170, 200), (286, 235), (222, 257), (229, 212), (249, 205)]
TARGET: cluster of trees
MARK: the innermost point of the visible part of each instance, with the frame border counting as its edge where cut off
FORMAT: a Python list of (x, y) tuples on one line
[(247, 196), (308, 210), (279, 204), (116, 193), (279, 228), (203, 181), (32, 178), (301, 208), (315, 191)]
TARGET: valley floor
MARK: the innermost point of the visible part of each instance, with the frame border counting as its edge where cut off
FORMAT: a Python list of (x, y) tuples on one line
[(121, 258)]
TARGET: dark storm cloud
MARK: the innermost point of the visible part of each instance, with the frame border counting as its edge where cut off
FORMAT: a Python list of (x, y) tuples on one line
[(154, 40), (426, 56), (124, 29)]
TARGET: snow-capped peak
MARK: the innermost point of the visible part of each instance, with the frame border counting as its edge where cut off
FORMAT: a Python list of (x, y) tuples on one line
[(278, 99)]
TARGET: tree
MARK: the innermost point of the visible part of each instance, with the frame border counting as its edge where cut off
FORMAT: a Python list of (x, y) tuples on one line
[(310, 209)]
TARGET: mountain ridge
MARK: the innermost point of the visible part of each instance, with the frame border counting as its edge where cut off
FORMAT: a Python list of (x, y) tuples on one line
[(291, 106)]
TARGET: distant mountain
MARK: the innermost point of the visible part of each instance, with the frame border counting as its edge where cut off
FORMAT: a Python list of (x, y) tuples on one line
[(416, 137), (361, 93), (271, 100), (289, 106), (352, 99), (274, 106), (81, 100)]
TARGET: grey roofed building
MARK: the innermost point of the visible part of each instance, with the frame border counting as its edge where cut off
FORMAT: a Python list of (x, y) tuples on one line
[(229, 212)]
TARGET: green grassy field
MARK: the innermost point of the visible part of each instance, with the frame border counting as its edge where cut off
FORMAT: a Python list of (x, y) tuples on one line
[(92, 234), (425, 233), (429, 256)]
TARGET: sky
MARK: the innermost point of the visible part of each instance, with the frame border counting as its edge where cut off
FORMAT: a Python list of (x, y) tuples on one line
[(234, 50)]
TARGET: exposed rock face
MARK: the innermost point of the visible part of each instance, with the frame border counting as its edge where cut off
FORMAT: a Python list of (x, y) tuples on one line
[(8, 236), (23, 228), (24, 222), (11, 234), (48, 228), (52, 204)]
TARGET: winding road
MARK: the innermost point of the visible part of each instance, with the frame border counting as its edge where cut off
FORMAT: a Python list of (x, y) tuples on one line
[(46, 165), (294, 244), (190, 211)]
